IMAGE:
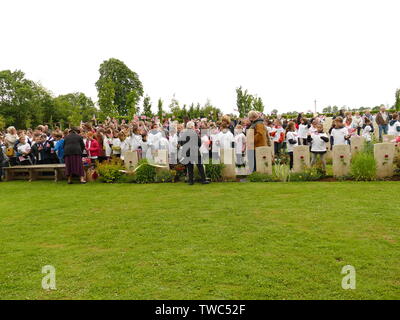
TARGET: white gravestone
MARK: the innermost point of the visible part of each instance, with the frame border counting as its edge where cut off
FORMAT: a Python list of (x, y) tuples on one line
[(264, 157), (384, 155), (228, 159), (130, 160), (301, 158), (341, 160), (356, 144)]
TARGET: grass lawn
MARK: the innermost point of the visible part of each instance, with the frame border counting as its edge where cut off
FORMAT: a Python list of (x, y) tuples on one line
[(221, 241)]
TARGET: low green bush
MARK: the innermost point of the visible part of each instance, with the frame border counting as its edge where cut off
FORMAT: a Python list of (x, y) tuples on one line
[(109, 171), (214, 171), (363, 166), (281, 172), (145, 173), (260, 177), (128, 178), (309, 174), (164, 176)]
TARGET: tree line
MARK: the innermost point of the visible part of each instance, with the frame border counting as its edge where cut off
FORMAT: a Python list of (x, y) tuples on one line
[(25, 103)]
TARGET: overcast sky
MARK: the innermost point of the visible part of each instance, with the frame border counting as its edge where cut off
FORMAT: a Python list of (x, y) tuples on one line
[(288, 52)]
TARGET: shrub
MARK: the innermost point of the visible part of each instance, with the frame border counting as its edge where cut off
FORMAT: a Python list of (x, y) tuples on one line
[(164, 176), (109, 171), (260, 177), (128, 178), (363, 167), (145, 173), (281, 172), (308, 174), (214, 171)]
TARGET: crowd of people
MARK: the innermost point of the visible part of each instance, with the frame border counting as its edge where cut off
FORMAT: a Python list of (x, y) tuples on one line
[(192, 141)]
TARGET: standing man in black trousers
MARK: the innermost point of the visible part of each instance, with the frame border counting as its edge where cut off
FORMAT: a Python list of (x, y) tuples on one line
[(190, 142)]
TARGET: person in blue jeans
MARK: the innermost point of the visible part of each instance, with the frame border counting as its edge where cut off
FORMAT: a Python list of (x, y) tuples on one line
[(382, 120)]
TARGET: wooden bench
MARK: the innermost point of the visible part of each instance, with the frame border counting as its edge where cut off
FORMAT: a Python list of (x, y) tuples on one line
[(35, 172)]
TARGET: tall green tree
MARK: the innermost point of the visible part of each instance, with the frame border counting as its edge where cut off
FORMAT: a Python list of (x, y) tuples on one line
[(397, 102), (246, 102), (147, 107), (115, 84), (160, 111), (23, 102)]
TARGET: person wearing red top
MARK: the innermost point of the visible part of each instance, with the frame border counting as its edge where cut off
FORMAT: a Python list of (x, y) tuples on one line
[(278, 136), (92, 147)]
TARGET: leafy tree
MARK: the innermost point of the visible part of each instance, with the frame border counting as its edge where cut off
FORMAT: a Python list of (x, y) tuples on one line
[(397, 103), (147, 107), (73, 108), (246, 102), (22, 101), (133, 103), (160, 110), (114, 86)]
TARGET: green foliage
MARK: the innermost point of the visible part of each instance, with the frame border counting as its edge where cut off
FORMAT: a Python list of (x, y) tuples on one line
[(147, 107), (281, 172), (246, 102), (115, 84), (363, 167), (145, 173), (397, 102), (260, 177), (309, 174), (128, 178), (109, 171), (164, 176), (214, 171), (2, 122)]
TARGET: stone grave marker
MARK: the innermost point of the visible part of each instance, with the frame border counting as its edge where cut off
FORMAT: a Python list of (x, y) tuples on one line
[(264, 157), (130, 160), (301, 158), (228, 159), (341, 160), (384, 154), (356, 144)]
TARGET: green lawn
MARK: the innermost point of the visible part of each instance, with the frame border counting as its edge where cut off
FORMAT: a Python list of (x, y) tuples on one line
[(221, 241)]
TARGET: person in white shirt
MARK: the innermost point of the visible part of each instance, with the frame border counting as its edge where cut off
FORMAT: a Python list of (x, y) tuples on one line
[(124, 145), (225, 138), (153, 138), (358, 122), (367, 129), (23, 151), (205, 146), (318, 140), (240, 145), (116, 145), (173, 145), (215, 147), (304, 126), (292, 140), (107, 143), (394, 125), (340, 133)]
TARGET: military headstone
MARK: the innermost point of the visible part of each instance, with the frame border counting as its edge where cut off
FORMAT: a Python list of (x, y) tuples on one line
[(384, 155), (301, 158), (356, 144), (228, 159), (264, 157), (341, 159)]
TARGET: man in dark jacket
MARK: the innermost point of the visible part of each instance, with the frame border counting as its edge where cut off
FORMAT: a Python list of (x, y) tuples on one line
[(190, 142)]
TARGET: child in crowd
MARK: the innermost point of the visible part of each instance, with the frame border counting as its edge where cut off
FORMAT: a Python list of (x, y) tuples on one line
[(92, 147), (318, 140), (278, 135), (292, 140), (116, 145), (367, 129), (59, 146), (23, 151), (394, 125), (340, 133), (304, 126), (240, 145)]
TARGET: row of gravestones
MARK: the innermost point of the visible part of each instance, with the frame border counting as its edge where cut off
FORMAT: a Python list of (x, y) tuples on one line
[(341, 158), (384, 154)]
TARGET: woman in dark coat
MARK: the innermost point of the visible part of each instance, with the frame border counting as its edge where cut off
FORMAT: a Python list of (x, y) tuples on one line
[(73, 148)]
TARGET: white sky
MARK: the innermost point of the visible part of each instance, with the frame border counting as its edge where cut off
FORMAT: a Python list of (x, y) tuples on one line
[(289, 52)]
